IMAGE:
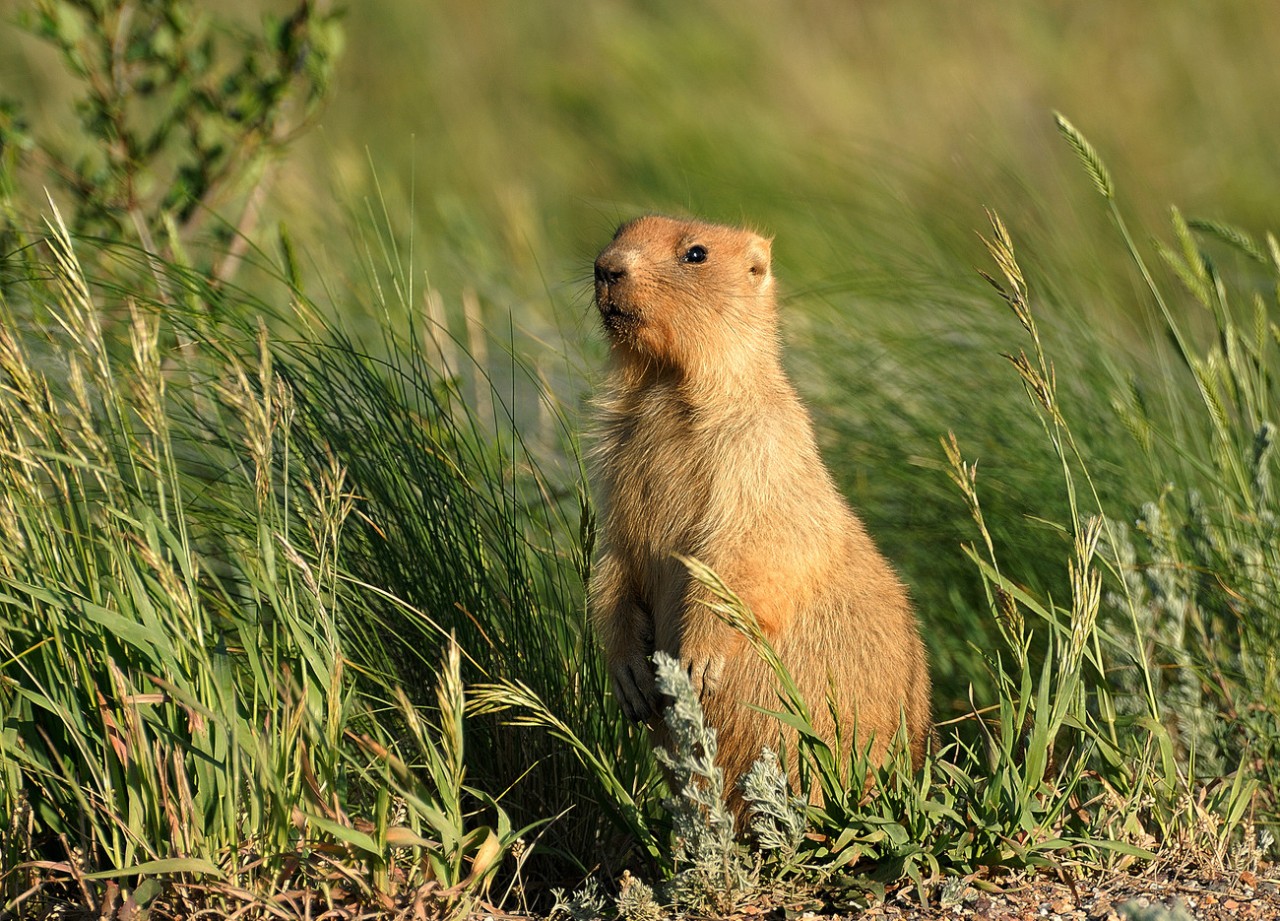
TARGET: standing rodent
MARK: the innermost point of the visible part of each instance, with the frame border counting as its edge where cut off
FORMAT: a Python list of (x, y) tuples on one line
[(706, 451)]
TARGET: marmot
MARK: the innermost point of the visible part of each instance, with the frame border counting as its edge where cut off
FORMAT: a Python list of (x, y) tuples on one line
[(706, 451)]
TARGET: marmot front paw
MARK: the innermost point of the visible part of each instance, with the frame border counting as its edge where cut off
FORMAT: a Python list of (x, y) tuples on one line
[(634, 688)]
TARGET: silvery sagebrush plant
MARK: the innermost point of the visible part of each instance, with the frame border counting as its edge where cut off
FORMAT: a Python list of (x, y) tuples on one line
[(712, 868)]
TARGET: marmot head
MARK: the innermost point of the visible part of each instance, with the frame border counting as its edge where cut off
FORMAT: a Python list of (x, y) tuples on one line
[(687, 295)]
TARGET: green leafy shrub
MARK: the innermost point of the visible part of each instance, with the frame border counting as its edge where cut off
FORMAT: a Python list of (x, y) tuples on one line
[(179, 113)]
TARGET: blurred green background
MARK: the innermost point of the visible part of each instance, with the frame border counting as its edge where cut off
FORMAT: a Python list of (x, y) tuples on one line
[(501, 142)]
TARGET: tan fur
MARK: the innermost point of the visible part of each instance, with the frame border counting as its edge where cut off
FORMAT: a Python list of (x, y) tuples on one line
[(705, 450)]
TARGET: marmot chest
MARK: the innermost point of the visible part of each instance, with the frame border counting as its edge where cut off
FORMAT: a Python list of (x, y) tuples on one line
[(661, 471)]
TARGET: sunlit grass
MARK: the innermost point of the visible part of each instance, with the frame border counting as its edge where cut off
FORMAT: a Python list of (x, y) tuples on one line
[(291, 573), (235, 560), (200, 681)]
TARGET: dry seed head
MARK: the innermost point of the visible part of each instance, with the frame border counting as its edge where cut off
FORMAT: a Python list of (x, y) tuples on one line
[(21, 470), (173, 586), (1086, 589), (1001, 249), (262, 411), (91, 446), (29, 418), (284, 406), (144, 336), (1009, 614), (1088, 156), (14, 539), (451, 697), (179, 810), (1043, 389), (299, 562), (332, 503), (22, 821), (21, 381), (965, 476), (79, 314), (961, 472), (1087, 540), (723, 601), (238, 393)]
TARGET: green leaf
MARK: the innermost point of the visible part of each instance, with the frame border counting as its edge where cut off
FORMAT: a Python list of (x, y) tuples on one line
[(1120, 847), (346, 834), (161, 868)]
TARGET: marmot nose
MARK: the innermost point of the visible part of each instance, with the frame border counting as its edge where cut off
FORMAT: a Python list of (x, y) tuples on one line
[(609, 269)]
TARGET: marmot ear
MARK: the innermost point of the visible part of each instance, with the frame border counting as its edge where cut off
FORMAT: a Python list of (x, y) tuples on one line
[(760, 253)]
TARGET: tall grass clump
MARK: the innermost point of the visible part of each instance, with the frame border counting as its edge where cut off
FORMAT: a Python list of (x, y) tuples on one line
[(1138, 715), (186, 686), (490, 531), (348, 523), (280, 527), (1199, 564)]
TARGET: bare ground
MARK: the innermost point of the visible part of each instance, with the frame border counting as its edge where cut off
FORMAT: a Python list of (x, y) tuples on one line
[(1151, 896), (1181, 898)]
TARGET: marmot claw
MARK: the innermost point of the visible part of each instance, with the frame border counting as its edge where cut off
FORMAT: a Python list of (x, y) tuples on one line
[(634, 688)]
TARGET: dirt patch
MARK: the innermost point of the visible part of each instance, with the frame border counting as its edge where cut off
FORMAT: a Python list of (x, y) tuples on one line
[(1152, 896), (1149, 897)]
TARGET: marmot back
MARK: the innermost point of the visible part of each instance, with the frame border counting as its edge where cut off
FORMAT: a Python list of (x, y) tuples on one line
[(706, 451)]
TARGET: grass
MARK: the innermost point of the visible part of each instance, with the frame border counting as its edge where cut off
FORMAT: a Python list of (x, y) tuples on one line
[(305, 567), (506, 148), (191, 682), (291, 577)]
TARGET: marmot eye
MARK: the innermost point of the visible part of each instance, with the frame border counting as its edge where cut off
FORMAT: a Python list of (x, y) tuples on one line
[(696, 254)]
